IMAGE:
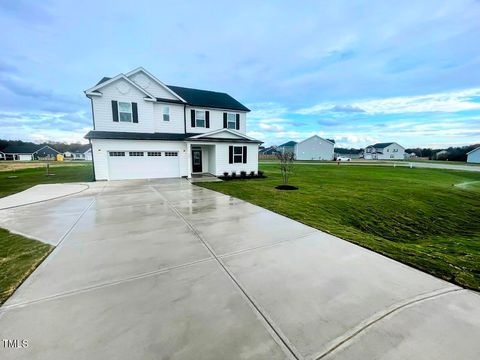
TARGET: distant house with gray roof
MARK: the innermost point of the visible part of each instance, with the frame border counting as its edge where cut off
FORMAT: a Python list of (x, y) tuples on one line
[(384, 151)]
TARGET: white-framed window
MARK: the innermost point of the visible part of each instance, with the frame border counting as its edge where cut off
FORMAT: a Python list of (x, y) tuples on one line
[(154, 153), (125, 111), (237, 154), (166, 113), (135, 153), (116, 153), (231, 121), (171, 153), (199, 118)]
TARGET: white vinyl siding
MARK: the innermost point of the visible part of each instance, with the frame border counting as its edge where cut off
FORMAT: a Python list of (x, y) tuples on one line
[(222, 162), (215, 119), (122, 91), (314, 148)]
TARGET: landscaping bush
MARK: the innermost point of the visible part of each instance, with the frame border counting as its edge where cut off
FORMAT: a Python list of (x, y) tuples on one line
[(243, 174), (261, 174), (234, 174), (252, 174)]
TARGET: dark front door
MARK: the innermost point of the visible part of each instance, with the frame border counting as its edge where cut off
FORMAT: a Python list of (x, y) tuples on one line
[(197, 161)]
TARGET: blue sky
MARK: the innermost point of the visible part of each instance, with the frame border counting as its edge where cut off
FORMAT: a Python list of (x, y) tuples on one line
[(355, 71)]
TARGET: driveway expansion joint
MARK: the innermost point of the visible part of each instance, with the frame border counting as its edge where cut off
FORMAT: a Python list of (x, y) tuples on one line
[(284, 342), (379, 316)]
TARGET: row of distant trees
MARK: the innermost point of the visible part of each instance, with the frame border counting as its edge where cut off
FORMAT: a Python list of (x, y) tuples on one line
[(458, 153), (59, 146)]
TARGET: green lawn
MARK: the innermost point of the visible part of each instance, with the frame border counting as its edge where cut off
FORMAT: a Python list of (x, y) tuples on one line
[(416, 216), (19, 256), (26, 178)]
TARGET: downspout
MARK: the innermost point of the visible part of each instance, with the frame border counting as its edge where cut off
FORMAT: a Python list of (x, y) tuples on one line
[(93, 160), (185, 118), (90, 140)]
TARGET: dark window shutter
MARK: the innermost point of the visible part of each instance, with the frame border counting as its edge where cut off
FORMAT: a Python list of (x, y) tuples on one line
[(135, 112), (237, 125), (192, 114), (230, 154), (207, 119), (115, 110), (224, 120), (244, 154)]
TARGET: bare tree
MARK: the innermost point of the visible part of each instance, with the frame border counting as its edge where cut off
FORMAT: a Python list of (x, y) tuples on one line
[(286, 165)]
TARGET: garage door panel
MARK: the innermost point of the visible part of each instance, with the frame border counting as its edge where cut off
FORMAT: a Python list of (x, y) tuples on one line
[(143, 164)]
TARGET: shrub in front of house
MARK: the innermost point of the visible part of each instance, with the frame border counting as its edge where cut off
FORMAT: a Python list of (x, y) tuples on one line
[(243, 174)]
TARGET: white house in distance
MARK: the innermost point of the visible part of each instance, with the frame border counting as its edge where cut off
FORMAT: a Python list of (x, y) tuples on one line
[(315, 148), (146, 129), (384, 151), (474, 156)]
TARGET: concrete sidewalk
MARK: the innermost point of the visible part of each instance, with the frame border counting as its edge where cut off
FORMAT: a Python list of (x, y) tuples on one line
[(165, 269)]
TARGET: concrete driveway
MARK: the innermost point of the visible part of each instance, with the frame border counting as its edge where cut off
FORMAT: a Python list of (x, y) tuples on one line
[(168, 270)]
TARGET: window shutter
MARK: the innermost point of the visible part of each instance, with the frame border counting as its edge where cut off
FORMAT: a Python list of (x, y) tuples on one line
[(207, 119), (237, 125), (115, 110), (225, 120), (134, 112), (244, 154), (230, 154), (192, 114)]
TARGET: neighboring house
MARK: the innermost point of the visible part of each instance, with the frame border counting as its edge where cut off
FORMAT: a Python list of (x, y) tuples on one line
[(474, 156), (45, 152), (315, 148), (146, 129), (2, 156), (20, 152), (441, 155), (288, 147), (271, 150), (384, 151), (82, 153), (87, 155), (410, 155)]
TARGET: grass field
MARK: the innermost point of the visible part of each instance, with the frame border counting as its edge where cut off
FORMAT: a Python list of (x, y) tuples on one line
[(19, 256), (426, 218), (19, 180)]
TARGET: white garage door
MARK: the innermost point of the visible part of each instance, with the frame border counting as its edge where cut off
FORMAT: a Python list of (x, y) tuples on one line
[(143, 164)]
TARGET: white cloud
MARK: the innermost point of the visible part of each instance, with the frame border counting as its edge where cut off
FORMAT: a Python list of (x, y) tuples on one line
[(440, 102)]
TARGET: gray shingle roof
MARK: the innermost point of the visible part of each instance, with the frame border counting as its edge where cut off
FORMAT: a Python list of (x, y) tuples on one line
[(382, 145), (289, 143), (22, 149), (213, 99), (197, 97)]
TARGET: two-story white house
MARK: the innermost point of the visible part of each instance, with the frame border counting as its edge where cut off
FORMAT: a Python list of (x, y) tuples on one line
[(144, 129), (384, 151)]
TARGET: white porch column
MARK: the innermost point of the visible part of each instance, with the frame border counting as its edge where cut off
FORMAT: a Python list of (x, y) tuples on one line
[(189, 160)]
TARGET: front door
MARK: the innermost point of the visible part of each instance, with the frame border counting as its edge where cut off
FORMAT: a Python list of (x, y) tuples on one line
[(197, 161)]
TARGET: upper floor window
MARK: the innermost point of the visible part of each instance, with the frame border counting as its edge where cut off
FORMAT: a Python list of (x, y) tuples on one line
[(125, 111), (231, 121), (199, 118), (166, 113)]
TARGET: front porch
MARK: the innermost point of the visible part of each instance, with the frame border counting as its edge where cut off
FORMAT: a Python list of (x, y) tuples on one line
[(202, 159)]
